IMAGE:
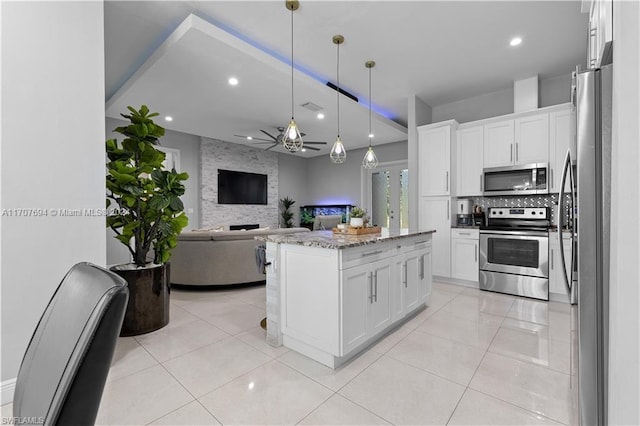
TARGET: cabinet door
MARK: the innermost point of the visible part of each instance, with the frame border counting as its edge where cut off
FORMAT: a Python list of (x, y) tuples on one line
[(562, 131), (464, 258), (469, 167), (412, 270), (557, 284), (498, 144), (356, 300), (382, 275), (424, 284), (397, 288), (435, 213), (532, 139), (434, 156)]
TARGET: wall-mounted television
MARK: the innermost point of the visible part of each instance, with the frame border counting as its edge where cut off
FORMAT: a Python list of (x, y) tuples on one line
[(241, 187)]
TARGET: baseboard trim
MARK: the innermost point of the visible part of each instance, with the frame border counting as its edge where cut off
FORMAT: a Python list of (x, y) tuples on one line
[(7, 388)]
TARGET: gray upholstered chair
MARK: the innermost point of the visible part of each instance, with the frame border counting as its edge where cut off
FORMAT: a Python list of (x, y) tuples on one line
[(327, 222), (65, 367)]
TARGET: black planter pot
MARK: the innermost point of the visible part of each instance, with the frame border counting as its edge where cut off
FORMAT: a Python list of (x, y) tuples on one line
[(148, 307)]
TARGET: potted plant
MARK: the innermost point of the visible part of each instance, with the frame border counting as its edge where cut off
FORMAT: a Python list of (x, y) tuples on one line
[(147, 217), (286, 214), (306, 219), (357, 217)]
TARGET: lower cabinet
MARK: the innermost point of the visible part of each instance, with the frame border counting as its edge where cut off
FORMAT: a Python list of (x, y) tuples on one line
[(435, 213), (465, 252), (558, 290)]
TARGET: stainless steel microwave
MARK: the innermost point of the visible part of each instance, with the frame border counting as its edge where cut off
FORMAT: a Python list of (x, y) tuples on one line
[(524, 179)]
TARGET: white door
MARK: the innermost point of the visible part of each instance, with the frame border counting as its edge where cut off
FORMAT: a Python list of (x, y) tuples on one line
[(382, 275), (470, 154), (412, 275), (356, 300), (387, 193), (435, 213), (434, 156), (532, 139), (498, 144), (562, 130)]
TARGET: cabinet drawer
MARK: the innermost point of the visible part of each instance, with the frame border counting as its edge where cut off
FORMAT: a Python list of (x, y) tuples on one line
[(366, 254), (470, 234)]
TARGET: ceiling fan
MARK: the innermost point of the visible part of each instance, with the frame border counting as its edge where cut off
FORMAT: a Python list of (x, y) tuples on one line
[(277, 140)]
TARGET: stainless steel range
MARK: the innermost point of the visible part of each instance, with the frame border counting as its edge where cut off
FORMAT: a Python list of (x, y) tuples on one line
[(514, 251)]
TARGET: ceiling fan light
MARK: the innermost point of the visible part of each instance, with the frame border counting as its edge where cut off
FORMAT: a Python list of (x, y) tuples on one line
[(370, 160), (292, 139), (338, 154)]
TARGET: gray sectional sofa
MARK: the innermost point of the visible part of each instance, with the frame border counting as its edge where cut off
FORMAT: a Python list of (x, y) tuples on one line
[(207, 258)]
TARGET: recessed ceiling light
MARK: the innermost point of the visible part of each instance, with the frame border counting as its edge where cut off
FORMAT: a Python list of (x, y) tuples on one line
[(168, 118), (250, 137), (320, 116), (515, 41), (371, 135), (233, 81), (304, 150)]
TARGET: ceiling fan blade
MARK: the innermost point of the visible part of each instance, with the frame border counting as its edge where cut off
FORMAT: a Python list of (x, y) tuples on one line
[(272, 146), (252, 138), (313, 143), (312, 148), (270, 135)]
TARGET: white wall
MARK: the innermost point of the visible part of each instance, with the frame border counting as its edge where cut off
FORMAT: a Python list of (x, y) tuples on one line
[(624, 296), (329, 183), (551, 91), (52, 156), (419, 113), (292, 182), (189, 146)]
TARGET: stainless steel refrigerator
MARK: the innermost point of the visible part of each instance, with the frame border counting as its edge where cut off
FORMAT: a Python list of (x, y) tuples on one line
[(588, 170)]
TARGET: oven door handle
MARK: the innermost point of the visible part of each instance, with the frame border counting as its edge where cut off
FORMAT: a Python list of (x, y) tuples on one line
[(514, 233)]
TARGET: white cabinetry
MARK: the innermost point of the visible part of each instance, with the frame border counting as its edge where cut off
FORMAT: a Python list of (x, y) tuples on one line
[(600, 33), (434, 158), (469, 155), (435, 213), (416, 275), (557, 285), (465, 245), (366, 301), (522, 140), (562, 134)]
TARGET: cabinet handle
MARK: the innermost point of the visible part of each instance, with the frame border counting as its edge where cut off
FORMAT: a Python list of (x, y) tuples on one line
[(448, 210), (481, 183), (375, 295), (370, 277), (422, 267), (475, 253), (552, 259), (551, 173), (405, 274), (371, 253), (420, 242), (511, 153), (447, 180), (516, 152), (464, 233)]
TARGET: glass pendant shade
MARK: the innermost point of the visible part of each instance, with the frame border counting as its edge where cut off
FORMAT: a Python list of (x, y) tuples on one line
[(370, 160), (338, 154), (292, 139)]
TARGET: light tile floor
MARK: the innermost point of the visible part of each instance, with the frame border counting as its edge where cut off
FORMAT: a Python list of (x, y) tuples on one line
[(471, 357)]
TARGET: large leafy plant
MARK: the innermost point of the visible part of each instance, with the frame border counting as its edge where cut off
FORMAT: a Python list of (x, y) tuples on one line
[(149, 213)]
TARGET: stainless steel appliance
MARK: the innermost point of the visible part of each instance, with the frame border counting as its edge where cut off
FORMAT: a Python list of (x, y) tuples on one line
[(464, 212), (588, 169), (464, 220), (514, 251), (528, 179)]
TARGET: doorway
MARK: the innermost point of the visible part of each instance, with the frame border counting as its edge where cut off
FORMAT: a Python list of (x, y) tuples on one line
[(387, 194)]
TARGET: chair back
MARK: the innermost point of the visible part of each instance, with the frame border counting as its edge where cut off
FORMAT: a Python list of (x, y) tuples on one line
[(65, 367)]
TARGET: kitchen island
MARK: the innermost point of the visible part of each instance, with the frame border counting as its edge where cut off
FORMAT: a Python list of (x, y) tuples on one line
[(330, 295)]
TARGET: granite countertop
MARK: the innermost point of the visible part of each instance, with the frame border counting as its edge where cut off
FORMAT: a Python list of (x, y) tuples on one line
[(329, 240)]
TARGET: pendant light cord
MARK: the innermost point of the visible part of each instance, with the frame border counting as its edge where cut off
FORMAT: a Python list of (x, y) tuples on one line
[(370, 107), (338, 87), (292, 63)]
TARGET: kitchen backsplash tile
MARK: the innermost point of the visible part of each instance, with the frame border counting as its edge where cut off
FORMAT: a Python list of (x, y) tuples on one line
[(550, 200)]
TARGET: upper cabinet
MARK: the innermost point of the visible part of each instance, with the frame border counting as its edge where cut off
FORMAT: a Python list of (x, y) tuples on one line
[(522, 140), (435, 144), (562, 134), (470, 149), (599, 46)]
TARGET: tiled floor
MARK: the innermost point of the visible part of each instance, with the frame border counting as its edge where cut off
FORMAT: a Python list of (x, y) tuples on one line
[(471, 357)]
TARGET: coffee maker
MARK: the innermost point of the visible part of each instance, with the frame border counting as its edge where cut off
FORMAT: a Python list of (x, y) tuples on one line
[(464, 212)]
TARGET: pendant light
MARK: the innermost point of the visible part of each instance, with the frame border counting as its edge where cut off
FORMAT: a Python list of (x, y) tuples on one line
[(370, 160), (292, 139), (338, 154)]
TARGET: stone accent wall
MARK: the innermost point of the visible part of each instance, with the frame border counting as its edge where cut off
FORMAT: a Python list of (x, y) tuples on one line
[(216, 154)]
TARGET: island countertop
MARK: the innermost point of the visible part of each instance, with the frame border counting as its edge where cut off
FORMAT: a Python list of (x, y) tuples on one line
[(339, 241)]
